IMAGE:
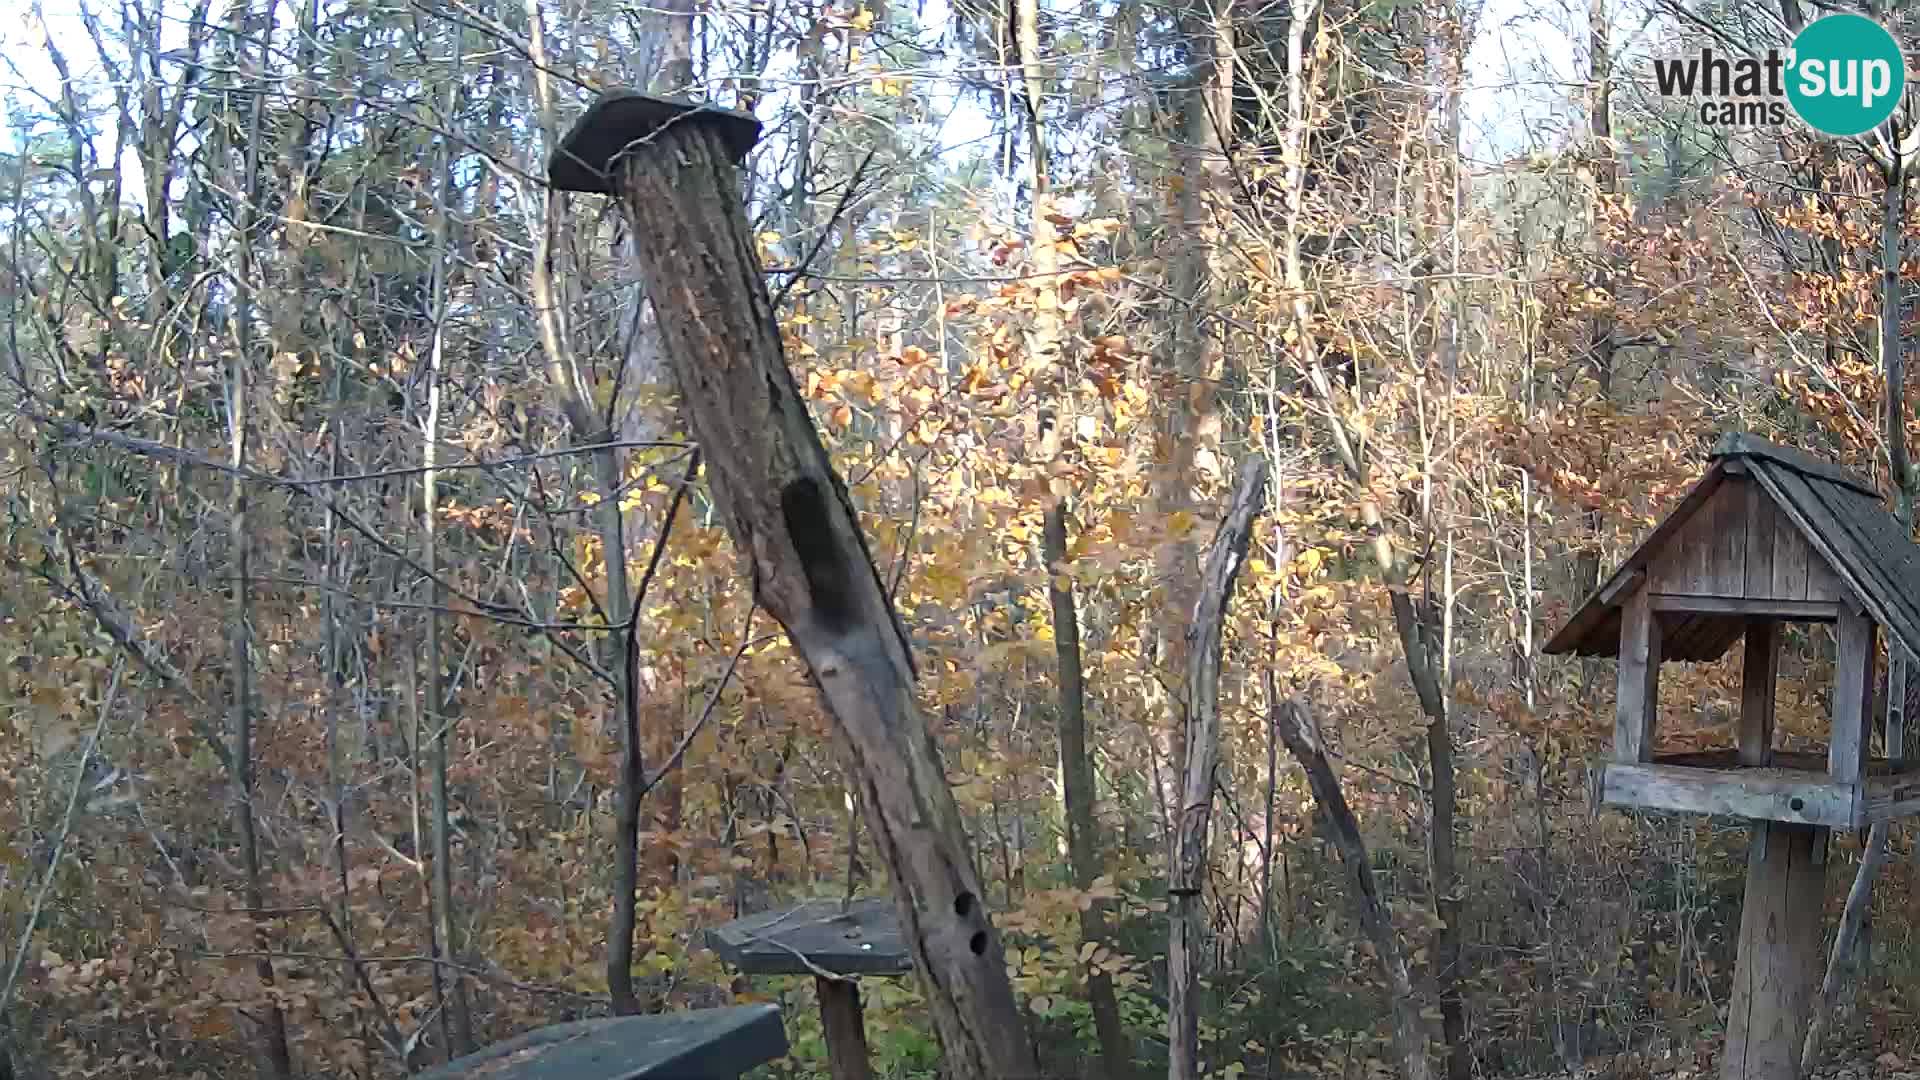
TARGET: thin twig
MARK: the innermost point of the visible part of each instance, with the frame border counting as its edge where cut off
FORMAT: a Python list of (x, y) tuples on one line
[(826, 230)]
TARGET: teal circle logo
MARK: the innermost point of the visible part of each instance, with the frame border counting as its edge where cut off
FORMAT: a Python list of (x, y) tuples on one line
[(1846, 74)]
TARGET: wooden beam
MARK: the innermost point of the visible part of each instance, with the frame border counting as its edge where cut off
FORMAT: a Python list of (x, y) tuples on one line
[(1759, 607), (1614, 590), (1779, 954), (1637, 696), (844, 1027), (1756, 692), (1852, 697), (1771, 796)]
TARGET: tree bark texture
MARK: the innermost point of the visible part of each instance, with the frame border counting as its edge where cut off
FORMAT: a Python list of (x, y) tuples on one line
[(1188, 873), (797, 532), (1076, 770)]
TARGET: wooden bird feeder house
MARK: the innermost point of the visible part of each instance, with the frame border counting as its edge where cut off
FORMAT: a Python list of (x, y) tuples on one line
[(832, 942), (1770, 535)]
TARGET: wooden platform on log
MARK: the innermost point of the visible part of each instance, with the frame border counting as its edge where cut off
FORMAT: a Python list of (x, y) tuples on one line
[(863, 939), (697, 1044), (1795, 787)]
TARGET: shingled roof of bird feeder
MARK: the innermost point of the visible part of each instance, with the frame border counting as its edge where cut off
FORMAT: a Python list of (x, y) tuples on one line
[(1838, 516)]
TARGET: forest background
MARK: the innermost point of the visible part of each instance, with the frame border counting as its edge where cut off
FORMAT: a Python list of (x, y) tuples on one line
[(347, 516)]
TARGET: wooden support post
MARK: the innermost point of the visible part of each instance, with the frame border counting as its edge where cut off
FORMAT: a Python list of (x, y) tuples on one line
[(845, 1029), (1779, 959), (1756, 692), (1637, 700), (1852, 696)]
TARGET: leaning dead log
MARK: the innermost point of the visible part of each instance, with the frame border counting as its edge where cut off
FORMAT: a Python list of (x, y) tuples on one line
[(672, 165), (1188, 873), (1297, 729)]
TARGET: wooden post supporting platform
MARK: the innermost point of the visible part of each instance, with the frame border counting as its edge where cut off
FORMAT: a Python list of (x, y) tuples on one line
[(1779, 954), (1637, 699), (1756, 692), (845, 1030)]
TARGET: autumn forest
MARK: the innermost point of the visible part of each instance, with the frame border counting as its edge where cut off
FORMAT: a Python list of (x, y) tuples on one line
[(1233, 398)]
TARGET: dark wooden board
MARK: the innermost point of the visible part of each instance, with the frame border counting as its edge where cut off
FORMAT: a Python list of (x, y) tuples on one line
[(1791, 554), (862, 940), (1594, 629), (1728, 544), (698, 1044), (620, 118), (1760, 540)]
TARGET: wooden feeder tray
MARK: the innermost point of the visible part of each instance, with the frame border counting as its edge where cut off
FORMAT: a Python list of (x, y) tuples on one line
[(697, 1044), (1796, 788), (862, 939)]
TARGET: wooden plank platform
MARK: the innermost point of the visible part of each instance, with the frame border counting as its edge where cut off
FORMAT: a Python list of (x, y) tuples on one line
[(1794, 788), (863, 939), (697, 1044)]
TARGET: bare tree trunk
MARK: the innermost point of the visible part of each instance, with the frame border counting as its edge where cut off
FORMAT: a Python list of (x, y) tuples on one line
[(1192, 432), (1302, 736), (1186, 878), (791, 520), (1076, 772), (1893, 358), (1044, 347), (1438, 655), (1601, 340), (563, 372), (456, 1021), (273, 1056)]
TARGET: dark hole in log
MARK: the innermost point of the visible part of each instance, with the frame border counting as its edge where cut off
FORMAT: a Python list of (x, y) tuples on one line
[(804, 505), (963, 905), (978, 943)]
